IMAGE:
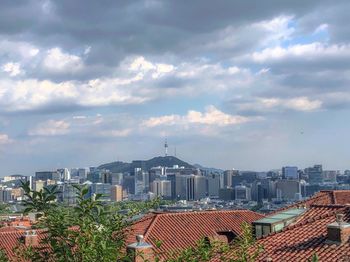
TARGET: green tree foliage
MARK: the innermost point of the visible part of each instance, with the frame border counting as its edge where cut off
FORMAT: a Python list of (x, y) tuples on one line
[(88, 232), (245, 248), (3, 256), (93, 232), (39, 201)]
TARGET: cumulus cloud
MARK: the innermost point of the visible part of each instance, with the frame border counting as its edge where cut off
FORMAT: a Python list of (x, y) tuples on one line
[(13, 69), (57, 61), (212, 116), (304, 51), (275, 104), (51, 128)]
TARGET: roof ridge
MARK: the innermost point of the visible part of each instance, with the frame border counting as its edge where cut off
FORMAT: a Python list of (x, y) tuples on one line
[(204, 211), (151, 225)]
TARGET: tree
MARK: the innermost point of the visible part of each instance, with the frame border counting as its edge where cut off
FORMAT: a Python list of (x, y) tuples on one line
[(88, 232)]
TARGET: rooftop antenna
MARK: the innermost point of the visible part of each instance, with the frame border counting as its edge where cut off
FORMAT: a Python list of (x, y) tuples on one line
[(175, 151), (166, 147)]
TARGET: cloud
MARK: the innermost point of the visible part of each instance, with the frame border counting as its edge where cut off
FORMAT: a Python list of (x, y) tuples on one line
[(275, 104), (212, 116), (116, 132), (5, 139), (51, 128), (57, 61), (304, 51), (13, 69)]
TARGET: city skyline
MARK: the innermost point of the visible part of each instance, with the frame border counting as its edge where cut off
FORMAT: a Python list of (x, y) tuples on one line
[(229, 84)]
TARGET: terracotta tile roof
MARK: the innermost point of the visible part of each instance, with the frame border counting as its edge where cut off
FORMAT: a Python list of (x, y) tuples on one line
[(10, 240), (300, 241), (308, 234), (181, 230)]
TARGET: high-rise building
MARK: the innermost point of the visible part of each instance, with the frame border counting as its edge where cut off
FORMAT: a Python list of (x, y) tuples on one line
[(242, 193), (315, 174), (103, 189), (200, 187), (82, 174), (116, 193), (162, 188), (288, 189), (213, 185), (117, 178), (141, 181), (227, 194), (330, 176), (228, 174), (47, 175), (290, 172)]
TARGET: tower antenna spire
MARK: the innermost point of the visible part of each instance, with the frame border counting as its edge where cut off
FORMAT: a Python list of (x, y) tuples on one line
[(166, 147)]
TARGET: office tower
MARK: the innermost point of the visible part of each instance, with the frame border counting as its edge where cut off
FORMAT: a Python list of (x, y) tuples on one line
[(290, 172), (200, 187), (116, 193), (184, 187), (104, 189), (244, 177), (330, 176), (117, 178), (162, 188), (172, 179), (242, 193), (47, 175), (106, 177), (129, 184), (68, 193), (213, 185), (62, 173), (141, 181), (228, 174), (156, 173), (288, 189), (82, 174), (95, 176), (226, 194), (5, 194), (315, 174)]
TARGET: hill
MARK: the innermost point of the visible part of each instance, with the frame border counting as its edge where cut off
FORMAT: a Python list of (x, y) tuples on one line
[(168, 161)]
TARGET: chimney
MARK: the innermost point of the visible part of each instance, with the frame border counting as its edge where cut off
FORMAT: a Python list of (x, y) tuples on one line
[(140, 251), (339, 231), (31, 238)]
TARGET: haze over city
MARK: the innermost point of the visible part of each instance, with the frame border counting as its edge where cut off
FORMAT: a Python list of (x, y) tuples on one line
[(230, 84)]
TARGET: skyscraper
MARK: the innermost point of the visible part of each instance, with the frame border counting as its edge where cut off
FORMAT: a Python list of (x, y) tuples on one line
[(290, 172)]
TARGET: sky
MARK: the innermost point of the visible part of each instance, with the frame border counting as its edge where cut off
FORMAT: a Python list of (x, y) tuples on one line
[(251, 85)]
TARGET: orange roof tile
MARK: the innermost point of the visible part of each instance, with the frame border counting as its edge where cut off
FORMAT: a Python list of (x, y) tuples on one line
[(182, 230), (308, 234)]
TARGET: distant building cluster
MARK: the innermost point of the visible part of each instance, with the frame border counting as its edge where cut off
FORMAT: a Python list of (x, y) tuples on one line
[(267, 190)]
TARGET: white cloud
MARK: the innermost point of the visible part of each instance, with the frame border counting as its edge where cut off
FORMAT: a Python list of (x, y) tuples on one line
[(13, 69), (277, 29), (212, 117), (303, 104), (305, 51), (116, 132), (4, 139), (18, 49), (57, 61), (269, 104), (51, 128), (140, 64), (321, 28)]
